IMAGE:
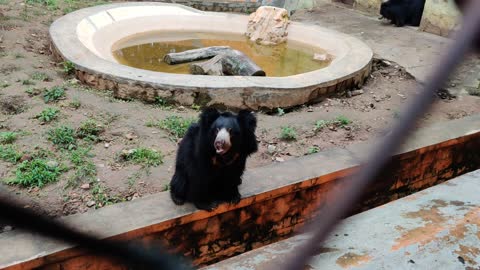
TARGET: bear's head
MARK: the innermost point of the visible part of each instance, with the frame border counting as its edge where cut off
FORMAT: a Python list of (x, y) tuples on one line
[(385, 10), (388, 7), (227, 134)]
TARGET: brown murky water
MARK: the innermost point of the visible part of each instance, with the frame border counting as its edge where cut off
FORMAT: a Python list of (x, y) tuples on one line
[(146, 51)]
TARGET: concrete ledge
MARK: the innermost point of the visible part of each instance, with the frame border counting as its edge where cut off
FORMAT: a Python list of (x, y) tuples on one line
[(438, 228), (277, 200), (85, 37)]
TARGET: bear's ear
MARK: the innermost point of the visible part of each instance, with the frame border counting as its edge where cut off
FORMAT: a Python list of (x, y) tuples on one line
[(248, 124), (247, 120), (208, 116)]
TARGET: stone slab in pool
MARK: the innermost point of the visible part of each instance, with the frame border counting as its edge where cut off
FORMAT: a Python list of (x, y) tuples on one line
[(87, 37)]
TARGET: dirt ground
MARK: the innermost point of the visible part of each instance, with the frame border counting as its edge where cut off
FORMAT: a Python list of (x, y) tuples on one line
[(24, 52)]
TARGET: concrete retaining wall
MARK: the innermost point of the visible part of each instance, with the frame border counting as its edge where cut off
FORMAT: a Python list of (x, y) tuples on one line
[(277, 200)]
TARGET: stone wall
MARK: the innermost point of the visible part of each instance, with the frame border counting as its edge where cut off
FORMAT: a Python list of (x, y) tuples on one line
[(240, 6)]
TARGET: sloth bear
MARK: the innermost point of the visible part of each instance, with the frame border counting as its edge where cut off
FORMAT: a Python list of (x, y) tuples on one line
[(403, 12), (211, 159)]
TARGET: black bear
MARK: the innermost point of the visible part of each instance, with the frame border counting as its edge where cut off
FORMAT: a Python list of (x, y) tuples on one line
[(403, 12), (211, 158)]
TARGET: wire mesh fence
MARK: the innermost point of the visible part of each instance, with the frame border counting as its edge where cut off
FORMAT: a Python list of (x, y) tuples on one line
[(137, 256)]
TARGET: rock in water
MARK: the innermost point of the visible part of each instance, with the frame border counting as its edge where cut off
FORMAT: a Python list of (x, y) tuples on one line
[(194, 55), (322, 57), (230, 63), (268, 25)]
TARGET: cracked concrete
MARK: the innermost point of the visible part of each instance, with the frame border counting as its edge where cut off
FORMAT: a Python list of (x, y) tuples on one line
[(437, 228)]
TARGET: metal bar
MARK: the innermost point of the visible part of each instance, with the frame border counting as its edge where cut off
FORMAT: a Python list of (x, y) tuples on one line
[(132, 254), (342, 201)]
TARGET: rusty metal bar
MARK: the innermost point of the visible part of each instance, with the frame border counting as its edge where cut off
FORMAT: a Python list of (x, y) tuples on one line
[(343, 200)]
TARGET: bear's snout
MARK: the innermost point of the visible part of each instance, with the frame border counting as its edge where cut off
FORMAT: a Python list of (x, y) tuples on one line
[(222, 142)]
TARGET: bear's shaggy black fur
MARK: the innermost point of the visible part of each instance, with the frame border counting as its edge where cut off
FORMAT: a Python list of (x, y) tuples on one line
[(211, 159), (403, 12)]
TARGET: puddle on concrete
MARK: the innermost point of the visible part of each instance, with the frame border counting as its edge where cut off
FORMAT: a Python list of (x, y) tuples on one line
[(146, 51)]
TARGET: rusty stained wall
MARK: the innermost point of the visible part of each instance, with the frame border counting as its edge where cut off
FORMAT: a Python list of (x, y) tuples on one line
[(225, 235)]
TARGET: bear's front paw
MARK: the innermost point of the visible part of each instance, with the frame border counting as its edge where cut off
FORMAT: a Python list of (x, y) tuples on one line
[(235, 198), (208, 206)]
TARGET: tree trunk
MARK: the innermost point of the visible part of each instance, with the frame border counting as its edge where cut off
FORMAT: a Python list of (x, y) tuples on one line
[(194, 55), (213, 66), (231, 62)]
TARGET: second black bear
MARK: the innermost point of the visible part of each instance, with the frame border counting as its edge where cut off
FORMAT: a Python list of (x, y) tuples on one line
[(403, 12), (211, 159)]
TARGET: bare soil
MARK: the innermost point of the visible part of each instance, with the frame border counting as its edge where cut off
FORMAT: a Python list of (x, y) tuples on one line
[(24, 51)]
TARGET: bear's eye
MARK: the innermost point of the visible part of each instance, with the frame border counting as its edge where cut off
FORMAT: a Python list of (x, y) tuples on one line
[(229, 130), (216, 131)]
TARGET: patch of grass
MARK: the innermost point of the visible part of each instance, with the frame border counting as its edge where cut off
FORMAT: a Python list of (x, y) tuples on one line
[(73, 82), (474, 92), (9, 153), (7, 137), (75, 103), (50, 4), (53, 94), (89, 130), (4, 84), (313, 150), (42, 153), (63, 137), (32, 91), (73, 5), (320, 124), (176, 126), (144, 156), (85, 169), (343, 121), (68, 67), (102, 197), (340, 121), (280, 112), (48, 115), (288, 133), (132, 179), (40, 76), (36, 173), (163, 103), (28, 82), (196, 107), (18, 55)]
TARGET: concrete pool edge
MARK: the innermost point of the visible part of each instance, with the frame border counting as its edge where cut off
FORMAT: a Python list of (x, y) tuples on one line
[(433, 155), (349, 69)]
